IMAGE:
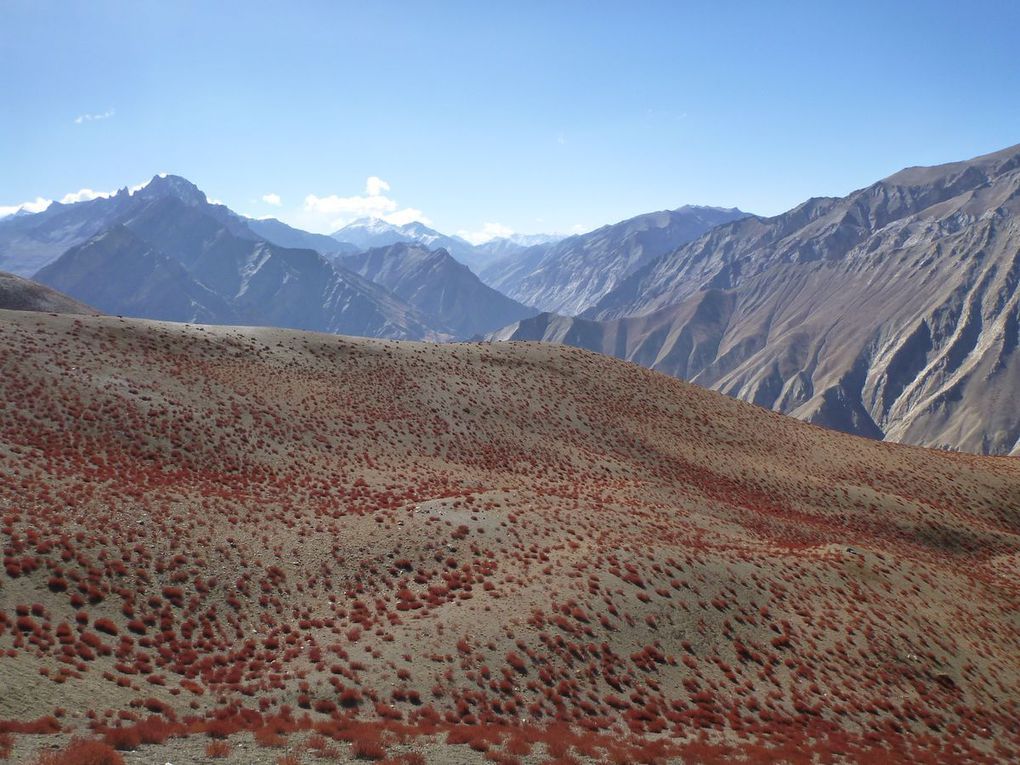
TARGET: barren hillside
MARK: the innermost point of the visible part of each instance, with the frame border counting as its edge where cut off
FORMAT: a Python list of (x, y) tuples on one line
[(338, 544)]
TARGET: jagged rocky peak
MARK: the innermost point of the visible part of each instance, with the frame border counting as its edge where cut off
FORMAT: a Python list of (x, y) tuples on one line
[(162, 186)]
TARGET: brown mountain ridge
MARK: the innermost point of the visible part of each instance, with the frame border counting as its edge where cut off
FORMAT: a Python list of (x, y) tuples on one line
[(891, 313)]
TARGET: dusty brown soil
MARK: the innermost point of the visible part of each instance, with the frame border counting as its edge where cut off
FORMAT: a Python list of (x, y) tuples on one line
[(473, 553)]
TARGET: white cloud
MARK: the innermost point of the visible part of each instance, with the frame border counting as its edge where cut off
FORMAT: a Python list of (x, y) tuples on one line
[(334, 211), (93, 117), (358, 207), (375, 186), (272, 199), (488, 232), (81, 195), (84, 195), (37, 205), (87, 195)]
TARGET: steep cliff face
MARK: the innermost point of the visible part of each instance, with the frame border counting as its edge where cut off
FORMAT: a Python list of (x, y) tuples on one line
[(891, 313)]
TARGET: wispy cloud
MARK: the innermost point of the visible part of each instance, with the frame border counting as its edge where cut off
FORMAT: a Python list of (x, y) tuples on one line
[(488, 232), (36, 205), (94, 117), (335, 211), (84, 195), (81, 195), (272, 199)]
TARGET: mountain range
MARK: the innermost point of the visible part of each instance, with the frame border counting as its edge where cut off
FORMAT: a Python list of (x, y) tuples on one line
[(278, 232), (890, 313), (163, 251), (171, 255), (258, 544)]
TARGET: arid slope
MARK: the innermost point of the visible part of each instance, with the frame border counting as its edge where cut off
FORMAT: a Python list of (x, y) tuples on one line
[(202, 519), (891, 313)]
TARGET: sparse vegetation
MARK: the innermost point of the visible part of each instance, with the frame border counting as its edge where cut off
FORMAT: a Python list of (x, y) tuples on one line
[(307, 538)]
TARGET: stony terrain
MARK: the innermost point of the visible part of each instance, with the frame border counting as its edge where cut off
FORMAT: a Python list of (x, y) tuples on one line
[(283, 547)]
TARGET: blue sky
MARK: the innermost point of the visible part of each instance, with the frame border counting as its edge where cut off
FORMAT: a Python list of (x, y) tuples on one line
[(526, 116)]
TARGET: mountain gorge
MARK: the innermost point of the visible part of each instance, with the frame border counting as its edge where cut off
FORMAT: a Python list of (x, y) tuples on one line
[(890, 313)]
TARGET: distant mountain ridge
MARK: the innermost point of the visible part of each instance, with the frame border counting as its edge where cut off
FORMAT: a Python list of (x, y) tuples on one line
[(892, 312), (278, 232), (572, 274), (369, 233), (148, 282), (164, 252)]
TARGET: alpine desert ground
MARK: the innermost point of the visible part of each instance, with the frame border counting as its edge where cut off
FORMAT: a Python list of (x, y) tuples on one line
[(282, 547)]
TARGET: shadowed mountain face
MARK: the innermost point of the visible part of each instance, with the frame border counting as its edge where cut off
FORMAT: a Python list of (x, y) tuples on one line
[(18, 294), (29, 242), (891, 313), (172, 256), (437, 285), (572, 274), (121, 274)]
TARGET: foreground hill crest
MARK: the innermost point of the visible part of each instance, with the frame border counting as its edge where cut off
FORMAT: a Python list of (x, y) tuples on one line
[(486, 543)]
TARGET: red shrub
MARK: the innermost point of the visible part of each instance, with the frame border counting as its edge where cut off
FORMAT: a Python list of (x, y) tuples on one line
[(42, 726), (267, 737), (367, 749), (217, 749), (106, 625), (82, 752), (154, 730), (124, 739)]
